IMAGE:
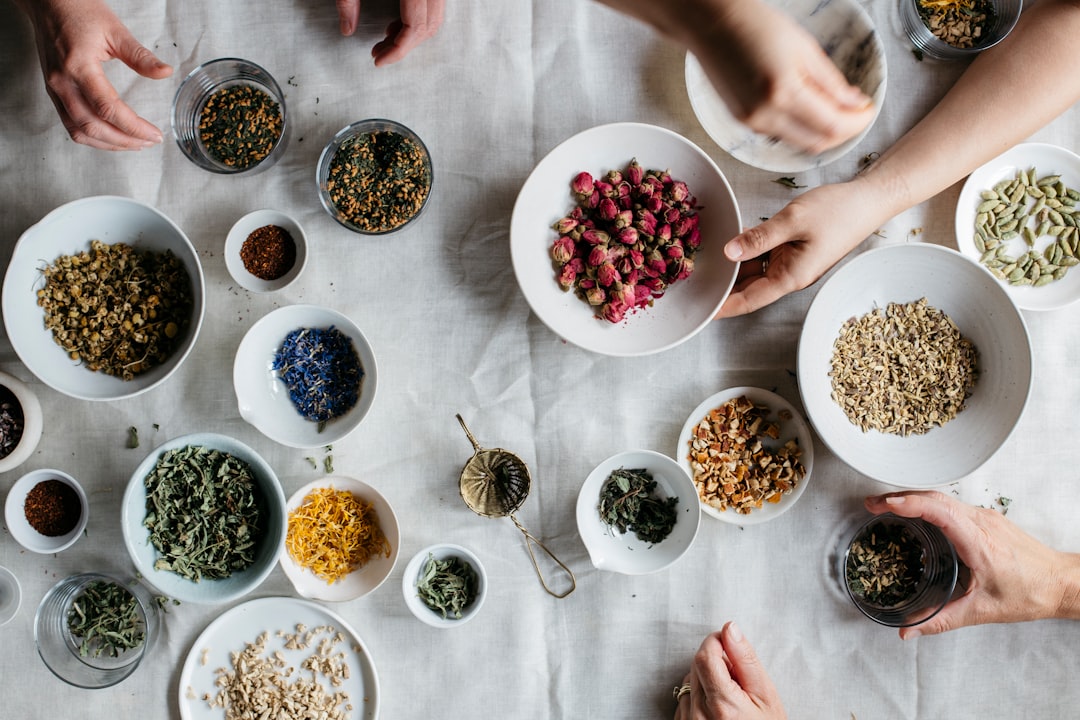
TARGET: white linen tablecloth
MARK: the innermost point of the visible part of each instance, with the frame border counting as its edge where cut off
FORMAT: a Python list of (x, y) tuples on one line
[(502, 84)]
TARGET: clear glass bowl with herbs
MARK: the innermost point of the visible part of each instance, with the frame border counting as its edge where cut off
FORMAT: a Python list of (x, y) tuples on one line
[(957, 29), (375, 177), (897, 571), (92, 629), (229, 117)]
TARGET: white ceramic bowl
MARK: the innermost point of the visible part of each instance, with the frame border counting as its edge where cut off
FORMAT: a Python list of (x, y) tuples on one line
[(792, 428), (442, 552), (68, 230), (206, 591), (983, 313), (847, 34), (688, 305), (21, 529), (1047, 160), (264, 399), (240, 231), (625, 553), (33, 421), (363, 580)]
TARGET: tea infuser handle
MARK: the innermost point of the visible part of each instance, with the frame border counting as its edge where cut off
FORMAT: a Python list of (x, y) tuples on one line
[(476, 445), (529, 542)]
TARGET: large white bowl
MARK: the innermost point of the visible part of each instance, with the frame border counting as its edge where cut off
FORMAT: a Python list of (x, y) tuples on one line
[(68, 230), (360, 581), (263, 398), (791, 428), (624, 552), (206, 591), (689, 304), (1047, 160), (983, 313), (846, 33)]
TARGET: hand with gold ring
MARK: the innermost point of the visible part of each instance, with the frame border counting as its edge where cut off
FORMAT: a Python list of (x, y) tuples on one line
[(727, 682)]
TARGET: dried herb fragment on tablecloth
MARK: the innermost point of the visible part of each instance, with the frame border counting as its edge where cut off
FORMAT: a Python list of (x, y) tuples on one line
[(268, 252), (205, 512), (12, 422), (240, 125), (52, 507), (628, 503), (788, 182), (105, 619), (447, 586), (379, 180), (118, 310), (884, 565), (322, 371)]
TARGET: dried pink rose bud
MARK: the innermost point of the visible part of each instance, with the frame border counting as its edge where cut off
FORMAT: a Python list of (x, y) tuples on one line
[(627, 236), (592, 201), (622, 190), (606, 274), (654, 204), (675, 250), (637, 257), (607, 209), (624, 218), (635, 173), (685, 266), (684, 225), (595, 296), (655, 261), (577, 264), (562, 250), (678, 191), (656, 285), (627, 294), (632, 277), (614, 177), (663, 233), (597, 256), (672, 215), (693, 239), (624, 266), (582, 184), (646, 222), (617, 251), (566, 277), (606, 189), (586, 283), (642, 295), (565, 225), (595, 237), (613, 312)]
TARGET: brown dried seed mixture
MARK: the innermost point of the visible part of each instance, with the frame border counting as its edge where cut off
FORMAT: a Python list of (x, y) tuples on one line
[(903, 370), (117, 310), (733, 467)]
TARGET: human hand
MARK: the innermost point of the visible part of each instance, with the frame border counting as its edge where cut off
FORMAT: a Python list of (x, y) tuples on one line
[(727, 682), (74, 38), (774, 77), (420, 20), (806, 238), (1014, 577)]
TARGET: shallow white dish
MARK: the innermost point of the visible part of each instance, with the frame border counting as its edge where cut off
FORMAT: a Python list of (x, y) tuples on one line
[(363, 580), (1047, 160), (846, 33), (33, 422), (414, 569), (68, 230), (234, 629), (240, 231), (263, 398), (793, 428), (207, 591), (624, 552), (983, 313), (21, 529), (688, 305)]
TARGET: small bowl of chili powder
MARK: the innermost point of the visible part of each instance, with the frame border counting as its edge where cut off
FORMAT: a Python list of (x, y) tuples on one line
[(20, 422), (265, 251), (228, 117), (375, 176), (46, 511)]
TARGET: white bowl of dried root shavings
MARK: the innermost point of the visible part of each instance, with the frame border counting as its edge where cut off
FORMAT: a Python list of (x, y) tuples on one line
[(904, 443)]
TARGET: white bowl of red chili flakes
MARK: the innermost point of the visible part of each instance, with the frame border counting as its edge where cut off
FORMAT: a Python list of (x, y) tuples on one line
[(265, 251)]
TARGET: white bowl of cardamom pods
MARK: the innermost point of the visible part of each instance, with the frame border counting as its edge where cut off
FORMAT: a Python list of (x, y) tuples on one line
[(914, 365), (444, 585)]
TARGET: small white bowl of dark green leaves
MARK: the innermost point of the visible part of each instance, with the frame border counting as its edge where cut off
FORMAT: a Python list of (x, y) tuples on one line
[(444, 585)]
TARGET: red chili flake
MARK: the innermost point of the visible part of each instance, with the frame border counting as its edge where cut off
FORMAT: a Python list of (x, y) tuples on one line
[(52, 508)]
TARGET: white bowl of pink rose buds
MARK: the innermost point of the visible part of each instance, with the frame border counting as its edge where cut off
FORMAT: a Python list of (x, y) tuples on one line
[(617, 239)]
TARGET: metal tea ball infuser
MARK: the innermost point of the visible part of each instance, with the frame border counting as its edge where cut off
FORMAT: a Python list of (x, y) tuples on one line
[(494, 484)]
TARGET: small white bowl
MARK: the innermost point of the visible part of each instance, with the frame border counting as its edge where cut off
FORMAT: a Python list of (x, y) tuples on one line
[(207, 591), (263, 398), (33, 422), (1047, 160), (68, 230), (21, 529), (360, 581), (10, 596), (689, 305), (981, 310), (846, 32), (624, 552), (792, 428), (240, 231), (442, 552)]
